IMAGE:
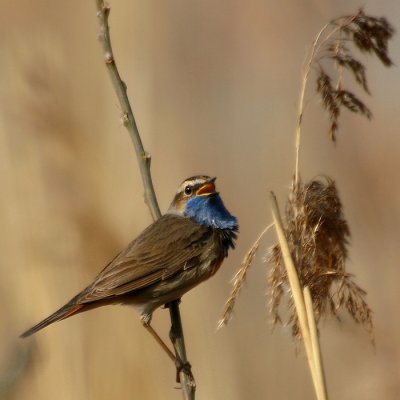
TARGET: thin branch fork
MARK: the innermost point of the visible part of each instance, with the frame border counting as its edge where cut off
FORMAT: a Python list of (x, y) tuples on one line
[(103, 10)]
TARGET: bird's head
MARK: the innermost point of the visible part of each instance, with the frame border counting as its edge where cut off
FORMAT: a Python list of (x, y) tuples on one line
[(197, 198), (196, 186)]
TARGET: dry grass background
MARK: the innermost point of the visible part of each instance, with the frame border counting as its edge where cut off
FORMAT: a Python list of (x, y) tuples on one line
[(214, 87)]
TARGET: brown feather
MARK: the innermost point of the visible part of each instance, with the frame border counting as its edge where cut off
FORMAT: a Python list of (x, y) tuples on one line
[(159, 252)]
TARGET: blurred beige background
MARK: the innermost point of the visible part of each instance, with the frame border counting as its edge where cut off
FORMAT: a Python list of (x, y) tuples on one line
[(214, 87)]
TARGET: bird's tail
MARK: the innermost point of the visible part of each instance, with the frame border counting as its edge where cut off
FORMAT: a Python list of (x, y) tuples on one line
[(64, 312)]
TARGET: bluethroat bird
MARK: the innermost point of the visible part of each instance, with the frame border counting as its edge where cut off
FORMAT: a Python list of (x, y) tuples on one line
[(184, 247)]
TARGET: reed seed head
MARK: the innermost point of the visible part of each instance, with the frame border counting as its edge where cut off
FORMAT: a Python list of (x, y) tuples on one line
[(318, 236), (344, 35)]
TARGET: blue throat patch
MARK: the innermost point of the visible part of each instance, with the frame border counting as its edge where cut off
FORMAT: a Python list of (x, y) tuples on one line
[(210, 211)]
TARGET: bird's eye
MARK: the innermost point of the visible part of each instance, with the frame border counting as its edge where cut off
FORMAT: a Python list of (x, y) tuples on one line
[(188, 190)]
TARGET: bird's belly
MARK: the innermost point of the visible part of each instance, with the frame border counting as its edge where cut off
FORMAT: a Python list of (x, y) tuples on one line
[(174, 287)]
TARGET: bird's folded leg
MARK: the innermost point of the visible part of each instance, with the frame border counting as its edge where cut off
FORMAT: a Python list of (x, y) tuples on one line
[(179, 364), (146, 323)]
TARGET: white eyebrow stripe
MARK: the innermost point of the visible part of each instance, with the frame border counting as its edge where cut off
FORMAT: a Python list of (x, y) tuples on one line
[(195, 182)]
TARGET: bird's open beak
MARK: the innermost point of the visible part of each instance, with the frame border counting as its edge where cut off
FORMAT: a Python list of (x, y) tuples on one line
[(207, 189)]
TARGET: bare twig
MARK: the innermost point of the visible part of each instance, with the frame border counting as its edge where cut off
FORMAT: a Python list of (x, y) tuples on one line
[(176, 335), (144, 159), (128, 119)]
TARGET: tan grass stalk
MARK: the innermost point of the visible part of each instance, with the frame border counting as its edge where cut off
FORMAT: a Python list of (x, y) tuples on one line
[(315, 49), (304, 81), (319, 371), (315, 369)]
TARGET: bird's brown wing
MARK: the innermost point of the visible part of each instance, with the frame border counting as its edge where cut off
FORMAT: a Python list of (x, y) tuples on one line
[(171, 244)]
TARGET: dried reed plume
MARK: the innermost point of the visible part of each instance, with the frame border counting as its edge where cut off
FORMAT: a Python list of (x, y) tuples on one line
[(308, 262), (367, 34), (316, 227), (239, 279), (318, 235)]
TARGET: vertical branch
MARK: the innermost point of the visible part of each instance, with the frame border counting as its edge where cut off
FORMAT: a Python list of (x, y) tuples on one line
[(176, 335), (128, 119), (144, 159)]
